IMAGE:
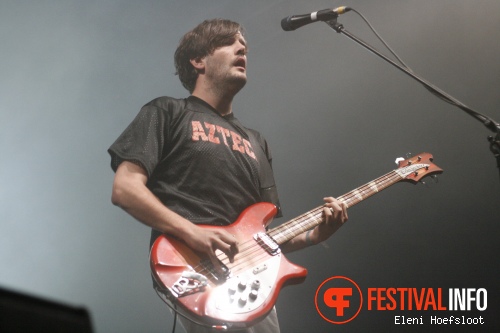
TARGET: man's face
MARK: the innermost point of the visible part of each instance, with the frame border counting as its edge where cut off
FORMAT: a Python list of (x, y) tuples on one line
[(227, 65)]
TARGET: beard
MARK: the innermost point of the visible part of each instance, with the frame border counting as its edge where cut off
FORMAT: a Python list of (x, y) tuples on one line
[(225, 78), (233, 83)]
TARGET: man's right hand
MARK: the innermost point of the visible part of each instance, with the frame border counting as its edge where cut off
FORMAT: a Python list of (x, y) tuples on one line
[(207, 241)]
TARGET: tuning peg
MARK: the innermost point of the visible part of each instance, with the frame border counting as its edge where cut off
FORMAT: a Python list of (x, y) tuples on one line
[(433, 177), (425, 183), (399, 159)]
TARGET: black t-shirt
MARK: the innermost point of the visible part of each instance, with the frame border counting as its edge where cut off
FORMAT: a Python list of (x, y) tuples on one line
[(205, 167)]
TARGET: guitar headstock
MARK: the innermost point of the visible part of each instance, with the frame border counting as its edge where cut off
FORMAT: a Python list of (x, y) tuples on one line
[(417, 167)]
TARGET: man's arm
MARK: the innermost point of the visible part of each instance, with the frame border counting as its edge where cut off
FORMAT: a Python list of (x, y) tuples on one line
[(335, 214), (131, 194)]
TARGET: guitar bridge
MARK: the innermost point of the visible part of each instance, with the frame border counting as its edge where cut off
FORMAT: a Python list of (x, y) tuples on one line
[(189, 283), (269, 244)]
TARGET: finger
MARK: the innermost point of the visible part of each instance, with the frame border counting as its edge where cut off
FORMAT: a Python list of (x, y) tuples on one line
[(228, 246), (336, 205), (328, 212), (330, 216), (229, 239), (345, 216), (329, 199), (337, 209), (216, 264), (333, 203)]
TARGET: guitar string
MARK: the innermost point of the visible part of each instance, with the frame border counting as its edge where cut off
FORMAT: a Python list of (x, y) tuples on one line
[(350, 198), (311, 218), (292, 228), (239, 260), (308, 219)]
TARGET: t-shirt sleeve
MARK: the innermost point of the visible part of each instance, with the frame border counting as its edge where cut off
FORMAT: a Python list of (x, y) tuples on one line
[(143, 140)]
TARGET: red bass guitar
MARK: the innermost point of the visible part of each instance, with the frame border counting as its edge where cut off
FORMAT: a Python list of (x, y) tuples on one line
[(248, 288)]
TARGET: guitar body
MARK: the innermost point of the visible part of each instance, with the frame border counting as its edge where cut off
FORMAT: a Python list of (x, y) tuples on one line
[(248, 288), (246, 294)]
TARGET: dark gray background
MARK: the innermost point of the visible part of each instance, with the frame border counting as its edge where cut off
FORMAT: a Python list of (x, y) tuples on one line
[(75, 73)]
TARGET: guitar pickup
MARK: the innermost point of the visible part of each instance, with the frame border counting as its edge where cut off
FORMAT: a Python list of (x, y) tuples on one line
[(220, 277), (266, 242)]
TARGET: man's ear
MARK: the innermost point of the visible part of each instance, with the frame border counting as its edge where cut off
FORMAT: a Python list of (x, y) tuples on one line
[(198, 64)]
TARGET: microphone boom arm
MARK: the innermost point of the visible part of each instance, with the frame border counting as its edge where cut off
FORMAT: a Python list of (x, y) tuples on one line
[(491, 124)]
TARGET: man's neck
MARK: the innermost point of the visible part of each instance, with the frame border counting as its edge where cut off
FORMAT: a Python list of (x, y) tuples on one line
[(219, 96), (222, 103)]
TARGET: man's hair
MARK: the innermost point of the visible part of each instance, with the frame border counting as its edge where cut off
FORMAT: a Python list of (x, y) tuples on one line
[(201, 42)]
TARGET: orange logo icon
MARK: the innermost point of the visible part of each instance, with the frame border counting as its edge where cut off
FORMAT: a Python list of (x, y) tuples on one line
[(338, 300)]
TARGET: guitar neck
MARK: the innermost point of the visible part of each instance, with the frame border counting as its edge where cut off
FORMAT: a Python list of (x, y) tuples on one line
[(314, 217)]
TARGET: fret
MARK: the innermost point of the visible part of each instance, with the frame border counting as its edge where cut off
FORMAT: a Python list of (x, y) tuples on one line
[(357, 195), (411, 170), (373, 186), (314, 217)]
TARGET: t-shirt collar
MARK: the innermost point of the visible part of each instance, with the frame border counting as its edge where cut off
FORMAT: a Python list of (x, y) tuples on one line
[(205, 107)]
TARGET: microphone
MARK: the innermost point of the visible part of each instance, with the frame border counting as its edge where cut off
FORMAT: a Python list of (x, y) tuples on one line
[(296, 21)]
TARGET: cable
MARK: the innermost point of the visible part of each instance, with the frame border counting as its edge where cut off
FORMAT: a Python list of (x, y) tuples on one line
[(382, 40), (490, 123), (175, 319), (173, 307)]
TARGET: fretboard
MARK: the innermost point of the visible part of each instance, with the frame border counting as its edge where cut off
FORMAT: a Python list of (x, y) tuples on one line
[(314, 217)]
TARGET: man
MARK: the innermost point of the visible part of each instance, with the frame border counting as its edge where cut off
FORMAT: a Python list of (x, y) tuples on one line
[(184, 162)]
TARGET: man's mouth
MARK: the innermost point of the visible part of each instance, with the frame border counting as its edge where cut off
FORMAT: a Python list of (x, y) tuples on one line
[(241, 63)]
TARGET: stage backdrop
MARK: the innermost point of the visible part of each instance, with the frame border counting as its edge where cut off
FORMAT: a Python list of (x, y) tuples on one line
[(75, 73)]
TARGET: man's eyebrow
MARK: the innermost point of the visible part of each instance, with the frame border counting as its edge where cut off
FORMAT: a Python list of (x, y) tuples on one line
[(241, 39)]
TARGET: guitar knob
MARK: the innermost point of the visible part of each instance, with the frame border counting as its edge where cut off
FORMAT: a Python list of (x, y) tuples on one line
[(253, 295), (242, 284), (231, 290), (242, 300)]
